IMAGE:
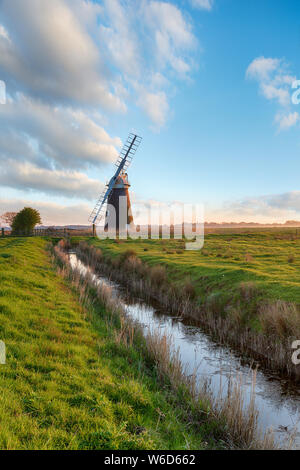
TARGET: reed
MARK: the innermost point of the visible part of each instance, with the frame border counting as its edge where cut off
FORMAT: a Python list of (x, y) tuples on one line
[(280, 319)]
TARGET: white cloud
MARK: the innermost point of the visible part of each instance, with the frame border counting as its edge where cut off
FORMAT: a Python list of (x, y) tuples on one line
[(275, 84), (119, 37), (274, 208), (273, 92), (4, 34), (286, 121), (203, 4), (148, 40), (65, 62), (50, 54), (284, 206), (54, 136), (156, 107), (159, 81), (261, 68), (172, 33), (289, 201), (25, 176), (80, 53), (168, 19)]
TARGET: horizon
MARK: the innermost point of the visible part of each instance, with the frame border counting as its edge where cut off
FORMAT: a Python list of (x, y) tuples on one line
[(211, 85), (211, 224)]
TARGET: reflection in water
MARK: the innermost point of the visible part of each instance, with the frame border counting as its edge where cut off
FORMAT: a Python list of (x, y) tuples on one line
[(278, 403)]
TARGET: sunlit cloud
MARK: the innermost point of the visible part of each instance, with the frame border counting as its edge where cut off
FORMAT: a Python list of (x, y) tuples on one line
[(28, 177), (275, 82), (203, 4)]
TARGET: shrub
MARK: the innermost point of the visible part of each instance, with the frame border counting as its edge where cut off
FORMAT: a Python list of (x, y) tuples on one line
[(280, 318), (216, 303), (132, 263), (115, 262), (83, 246), (189, 290), (127, 254), (235, 314), (26, 220), (291, 259), (248, 290), (158, 275), (98, 253)]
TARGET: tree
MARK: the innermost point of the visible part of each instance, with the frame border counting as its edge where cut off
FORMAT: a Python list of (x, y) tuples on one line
[(8, 217), (25, 221)]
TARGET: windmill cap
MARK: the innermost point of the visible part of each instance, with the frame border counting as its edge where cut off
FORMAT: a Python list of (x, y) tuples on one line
[(122, 181)]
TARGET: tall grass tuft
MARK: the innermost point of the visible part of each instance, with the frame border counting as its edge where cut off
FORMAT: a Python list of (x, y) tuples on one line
[(157, 275), (188, 289), (280, 319), (128, 254)]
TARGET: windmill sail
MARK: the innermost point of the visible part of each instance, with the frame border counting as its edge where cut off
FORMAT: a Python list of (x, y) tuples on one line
[(125, 158)]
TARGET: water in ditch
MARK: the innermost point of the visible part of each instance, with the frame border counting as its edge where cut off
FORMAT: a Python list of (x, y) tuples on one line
[(276, 400)]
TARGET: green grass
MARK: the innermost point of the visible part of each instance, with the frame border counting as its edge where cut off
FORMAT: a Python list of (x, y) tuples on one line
[(270, 259), (67, 383)]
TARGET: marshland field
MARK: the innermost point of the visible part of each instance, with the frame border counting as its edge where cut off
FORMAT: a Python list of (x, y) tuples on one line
[(270, 259), (248, 279), (76, 378)]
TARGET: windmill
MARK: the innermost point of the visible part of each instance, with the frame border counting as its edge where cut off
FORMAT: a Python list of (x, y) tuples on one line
[(117, 186)]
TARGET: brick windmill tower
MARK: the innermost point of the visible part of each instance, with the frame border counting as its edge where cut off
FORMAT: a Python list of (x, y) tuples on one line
[(118, 214)]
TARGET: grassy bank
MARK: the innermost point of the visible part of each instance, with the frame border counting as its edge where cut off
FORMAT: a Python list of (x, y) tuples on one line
[(69, 382), (244, 286)]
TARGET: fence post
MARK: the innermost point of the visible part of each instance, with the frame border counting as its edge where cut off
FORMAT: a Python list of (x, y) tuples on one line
[(94, 230), (2, 230)]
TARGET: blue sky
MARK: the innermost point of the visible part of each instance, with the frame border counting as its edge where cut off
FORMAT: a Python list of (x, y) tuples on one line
[(208, 85)]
